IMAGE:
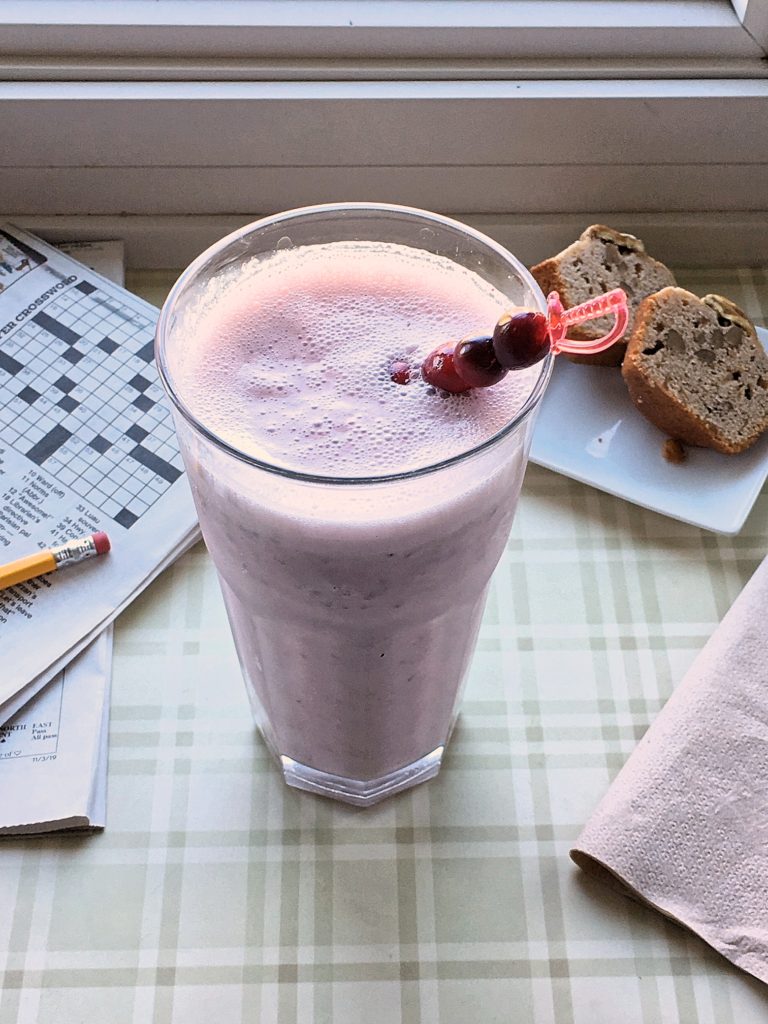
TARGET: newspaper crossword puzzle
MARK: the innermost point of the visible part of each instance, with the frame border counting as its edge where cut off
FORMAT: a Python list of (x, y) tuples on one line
[(87, 443), (80, 397)]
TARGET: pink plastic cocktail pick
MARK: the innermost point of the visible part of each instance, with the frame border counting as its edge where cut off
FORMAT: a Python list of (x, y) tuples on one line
[(520, 339), (611, 303)]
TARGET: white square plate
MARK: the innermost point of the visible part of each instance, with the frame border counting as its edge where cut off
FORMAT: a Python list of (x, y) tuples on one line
[(588, 429)]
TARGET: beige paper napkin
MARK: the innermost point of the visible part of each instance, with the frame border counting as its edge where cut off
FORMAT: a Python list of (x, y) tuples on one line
[(684, 827)]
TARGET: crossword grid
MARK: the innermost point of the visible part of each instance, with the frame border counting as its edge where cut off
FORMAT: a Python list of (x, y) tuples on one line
[(80, 397)]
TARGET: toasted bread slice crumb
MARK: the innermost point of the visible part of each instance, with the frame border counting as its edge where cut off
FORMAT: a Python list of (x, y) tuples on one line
[(673, 451)]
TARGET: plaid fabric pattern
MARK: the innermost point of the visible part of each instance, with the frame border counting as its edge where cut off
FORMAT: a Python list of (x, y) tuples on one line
[(218, 894)]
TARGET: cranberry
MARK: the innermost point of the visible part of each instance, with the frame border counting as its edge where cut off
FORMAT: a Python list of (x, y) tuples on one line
[(476, 362), (521, 339), (399, 372), (439, 370)]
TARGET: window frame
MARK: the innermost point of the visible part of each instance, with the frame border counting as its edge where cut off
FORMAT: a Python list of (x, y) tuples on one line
[(169, 146), (753, 15), (425, 30)]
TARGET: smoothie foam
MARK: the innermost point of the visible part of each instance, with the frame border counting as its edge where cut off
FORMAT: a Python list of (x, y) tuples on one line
[(292, 366)]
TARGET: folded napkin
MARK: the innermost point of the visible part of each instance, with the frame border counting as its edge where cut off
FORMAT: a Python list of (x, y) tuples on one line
[(684, 827)]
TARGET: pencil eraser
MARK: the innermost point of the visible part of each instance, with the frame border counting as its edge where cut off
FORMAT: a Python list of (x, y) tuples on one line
[(101, 540)]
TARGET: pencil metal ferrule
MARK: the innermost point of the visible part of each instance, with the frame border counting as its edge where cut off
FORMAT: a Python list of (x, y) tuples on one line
[(74, 551)]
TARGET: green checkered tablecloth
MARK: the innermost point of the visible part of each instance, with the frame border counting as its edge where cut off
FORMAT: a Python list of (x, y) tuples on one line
[(216, 894)]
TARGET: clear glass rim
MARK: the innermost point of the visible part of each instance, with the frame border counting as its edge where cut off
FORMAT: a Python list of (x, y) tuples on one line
[(289, 215)]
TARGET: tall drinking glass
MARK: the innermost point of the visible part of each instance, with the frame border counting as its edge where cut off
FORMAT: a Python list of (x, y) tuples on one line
[(354, 601)]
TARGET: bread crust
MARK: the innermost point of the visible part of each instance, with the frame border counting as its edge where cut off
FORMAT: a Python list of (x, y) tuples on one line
[(730, 311), (607, 234), (658, 404)]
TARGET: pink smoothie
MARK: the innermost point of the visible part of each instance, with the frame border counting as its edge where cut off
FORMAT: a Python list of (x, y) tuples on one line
[(354, 606)]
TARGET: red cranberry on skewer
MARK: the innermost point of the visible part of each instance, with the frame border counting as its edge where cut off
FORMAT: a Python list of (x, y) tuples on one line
[(439, 369), (476, 363), (521, 339)]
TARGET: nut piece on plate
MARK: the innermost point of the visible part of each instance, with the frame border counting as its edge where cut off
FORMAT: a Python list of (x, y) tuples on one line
[(602, 259), (696, 369)]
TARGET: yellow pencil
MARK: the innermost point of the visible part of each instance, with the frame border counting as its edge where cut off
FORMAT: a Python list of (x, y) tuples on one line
[(53, 558)]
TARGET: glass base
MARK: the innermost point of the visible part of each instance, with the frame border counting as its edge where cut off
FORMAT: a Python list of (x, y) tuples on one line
[(353, 791)]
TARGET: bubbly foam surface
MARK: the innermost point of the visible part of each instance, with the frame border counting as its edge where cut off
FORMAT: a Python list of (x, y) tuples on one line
[(290, 364)]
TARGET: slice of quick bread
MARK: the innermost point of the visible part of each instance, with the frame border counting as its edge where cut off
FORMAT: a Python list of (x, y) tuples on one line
[(696, 369), (602, 259)]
